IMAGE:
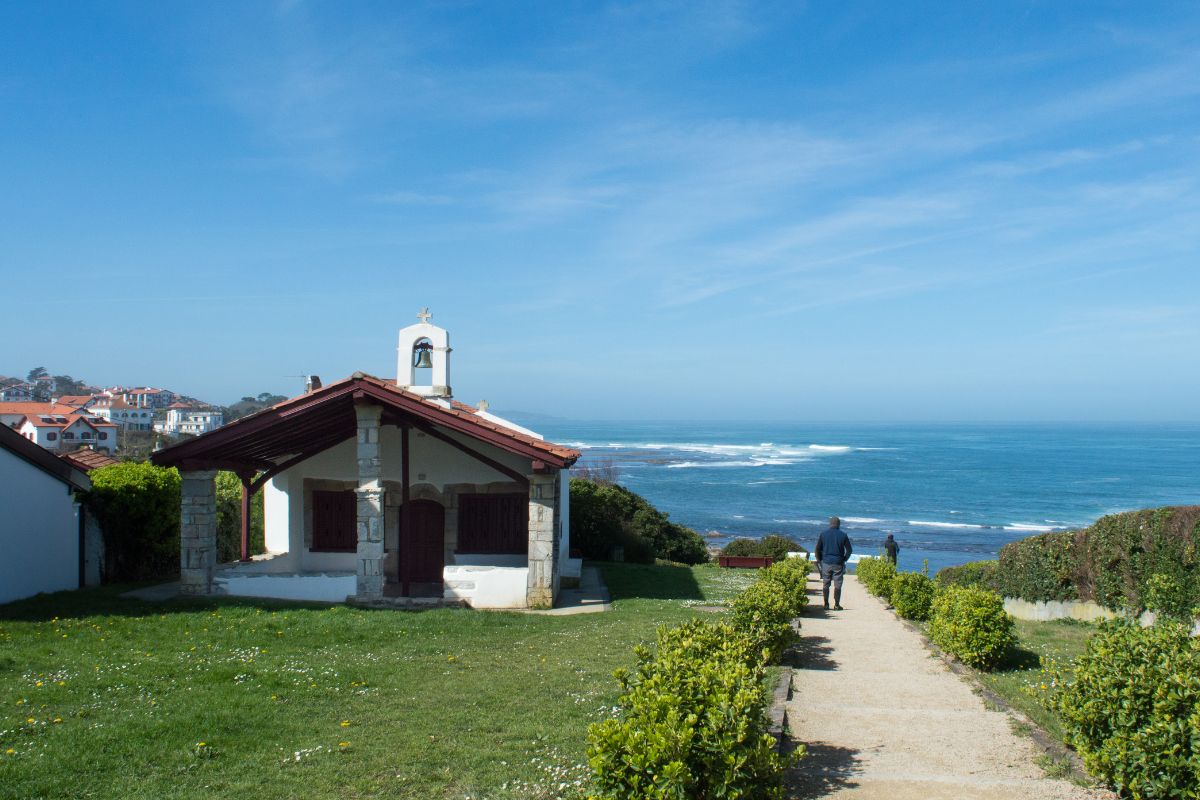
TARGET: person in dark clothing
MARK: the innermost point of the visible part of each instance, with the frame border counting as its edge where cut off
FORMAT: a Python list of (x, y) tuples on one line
[(891, 549), (833, 549)]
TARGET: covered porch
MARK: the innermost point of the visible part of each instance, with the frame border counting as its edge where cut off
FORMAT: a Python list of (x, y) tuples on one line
[(380, 496)]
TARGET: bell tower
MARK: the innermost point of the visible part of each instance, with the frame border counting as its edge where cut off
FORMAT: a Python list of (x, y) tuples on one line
[(423, 358)]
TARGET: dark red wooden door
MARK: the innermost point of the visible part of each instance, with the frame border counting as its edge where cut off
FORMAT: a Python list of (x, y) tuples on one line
[(426, 544)]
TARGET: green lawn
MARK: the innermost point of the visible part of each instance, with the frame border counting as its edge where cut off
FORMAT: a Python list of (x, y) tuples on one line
[(1020, 680), (104, 697)]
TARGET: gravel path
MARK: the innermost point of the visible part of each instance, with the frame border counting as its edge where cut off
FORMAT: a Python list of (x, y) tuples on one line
[(884, 718)]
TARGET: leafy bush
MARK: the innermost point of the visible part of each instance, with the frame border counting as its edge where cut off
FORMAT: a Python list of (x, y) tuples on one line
[(1121, 552), (1131, 707), (1167, 598), (912, 595), (876, 575), (973, 573), (605, 516), (792, 575), (1038, 568), (773, 545), (137, 505), (229, 518), (764, 612), (971, 624), (691, 723), (1111, 562)]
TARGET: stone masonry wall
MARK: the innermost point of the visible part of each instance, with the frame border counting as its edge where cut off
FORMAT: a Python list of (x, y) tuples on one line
[(543, 541), (370, 505), (197, 532)]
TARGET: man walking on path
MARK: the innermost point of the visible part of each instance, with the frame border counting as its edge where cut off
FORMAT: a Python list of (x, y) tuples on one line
[(833, 548), (891, 549)]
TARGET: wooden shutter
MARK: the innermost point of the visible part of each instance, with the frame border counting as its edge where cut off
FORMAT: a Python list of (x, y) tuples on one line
[(335, 522), (493, 524)]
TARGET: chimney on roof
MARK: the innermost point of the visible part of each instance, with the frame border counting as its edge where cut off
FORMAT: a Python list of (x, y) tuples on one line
[(312, 383), (483, 405)]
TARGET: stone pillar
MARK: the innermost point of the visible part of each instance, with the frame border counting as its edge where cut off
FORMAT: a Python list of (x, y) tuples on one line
[(543, 541), (370, 505), (197, 532)]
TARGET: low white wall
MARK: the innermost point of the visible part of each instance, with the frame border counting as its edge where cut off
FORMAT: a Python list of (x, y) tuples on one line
[(325, 588), (39, 531), (487, 586), (1046, 610), (570, 567)]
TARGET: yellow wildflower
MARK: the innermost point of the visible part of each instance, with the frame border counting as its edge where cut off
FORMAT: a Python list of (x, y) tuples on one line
[(345, 723), (343, 745), (39, 683), (57, 720), (31, 720), (9, 751)]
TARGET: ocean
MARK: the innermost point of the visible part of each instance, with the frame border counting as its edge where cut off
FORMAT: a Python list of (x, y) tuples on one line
[(949, 493)]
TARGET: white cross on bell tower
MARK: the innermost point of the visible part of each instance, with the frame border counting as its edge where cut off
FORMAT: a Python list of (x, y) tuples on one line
[(422, 346)]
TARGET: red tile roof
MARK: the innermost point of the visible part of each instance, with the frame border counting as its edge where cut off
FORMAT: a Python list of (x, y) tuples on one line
[(87, 459), (324, 417)]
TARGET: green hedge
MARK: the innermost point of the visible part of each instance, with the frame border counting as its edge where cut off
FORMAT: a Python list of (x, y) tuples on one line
[(876, 575), (1039, 568), (912, 595), (606, 516), (970, 624), (774, 545), (764, 610), (137, 505), (691, 723), (973, 573), (1131, 708), (1110, 562)]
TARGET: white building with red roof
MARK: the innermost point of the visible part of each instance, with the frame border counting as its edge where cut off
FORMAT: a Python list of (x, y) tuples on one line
[(386, 492), (119, 412), (59, 432)]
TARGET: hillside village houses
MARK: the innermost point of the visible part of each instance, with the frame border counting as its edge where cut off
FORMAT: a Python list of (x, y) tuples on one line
[(185, 419), (64, 432), (384, 492)]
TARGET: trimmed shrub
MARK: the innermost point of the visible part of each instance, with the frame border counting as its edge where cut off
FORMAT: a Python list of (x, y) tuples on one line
[(1038, 568), (973, 573), (691, 722), (606, 516), (774, 545), (1121, 552), (876, 575), (764, 612), (970, 624), (229, 519), (1111, 562), (792, 575), (1131, 708), (137, 505), (912, 595)]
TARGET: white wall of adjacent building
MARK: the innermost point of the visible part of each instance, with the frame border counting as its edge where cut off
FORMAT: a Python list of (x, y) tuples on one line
[(39, 531)]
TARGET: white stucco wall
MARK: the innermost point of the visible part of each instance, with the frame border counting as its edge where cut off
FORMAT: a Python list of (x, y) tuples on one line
[(39, 531), (487, 586), (320, 588), (275, 510)]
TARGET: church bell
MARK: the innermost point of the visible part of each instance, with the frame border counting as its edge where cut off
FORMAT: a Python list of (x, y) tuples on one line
[(423, 360)]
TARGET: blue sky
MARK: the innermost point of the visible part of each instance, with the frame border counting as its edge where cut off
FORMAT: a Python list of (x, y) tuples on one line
[(825, 211)]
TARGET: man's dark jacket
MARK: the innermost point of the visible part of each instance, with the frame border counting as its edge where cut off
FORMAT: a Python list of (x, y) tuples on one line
[(833, 546)]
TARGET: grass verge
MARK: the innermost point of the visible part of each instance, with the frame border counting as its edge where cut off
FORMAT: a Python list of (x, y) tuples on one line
[(106, 697), (1019, 680)]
